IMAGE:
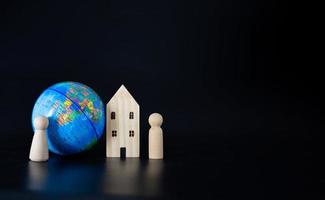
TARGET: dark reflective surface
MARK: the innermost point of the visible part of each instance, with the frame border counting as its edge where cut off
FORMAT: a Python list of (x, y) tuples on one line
[(111, 176), (59, 177), (131, 177)]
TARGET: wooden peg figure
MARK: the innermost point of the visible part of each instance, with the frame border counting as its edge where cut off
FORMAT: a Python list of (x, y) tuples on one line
[(156, 149), (39, 150)]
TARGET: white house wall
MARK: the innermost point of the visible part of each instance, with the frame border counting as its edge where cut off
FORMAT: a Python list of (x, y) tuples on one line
[(122, 104), (112, 143)]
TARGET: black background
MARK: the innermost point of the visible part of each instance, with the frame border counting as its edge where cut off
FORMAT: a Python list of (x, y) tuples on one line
[(239, 111)]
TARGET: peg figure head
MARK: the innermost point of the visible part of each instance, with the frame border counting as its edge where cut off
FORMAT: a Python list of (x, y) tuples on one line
[(155, 119), (41, 123)]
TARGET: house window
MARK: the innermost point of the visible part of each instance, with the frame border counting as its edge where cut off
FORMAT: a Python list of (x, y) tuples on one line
[(131, 115), (131, 133), (114, 133), (112, 115)]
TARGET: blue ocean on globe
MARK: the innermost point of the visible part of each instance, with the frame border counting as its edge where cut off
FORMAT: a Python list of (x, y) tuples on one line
[(76, 117)]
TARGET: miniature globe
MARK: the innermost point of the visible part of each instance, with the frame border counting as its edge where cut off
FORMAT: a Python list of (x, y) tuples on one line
[(76, 117)]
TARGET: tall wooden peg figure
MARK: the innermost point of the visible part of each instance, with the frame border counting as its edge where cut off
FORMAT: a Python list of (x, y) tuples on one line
[(156, 144), (39, 150)]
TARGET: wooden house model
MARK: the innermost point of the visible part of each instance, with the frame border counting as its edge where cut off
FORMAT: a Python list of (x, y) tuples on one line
[(122, 125)]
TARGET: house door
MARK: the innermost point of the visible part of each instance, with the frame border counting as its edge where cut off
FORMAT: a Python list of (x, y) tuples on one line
[(122, 152)]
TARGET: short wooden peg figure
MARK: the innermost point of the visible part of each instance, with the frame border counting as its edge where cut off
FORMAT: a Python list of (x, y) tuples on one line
[(39, 150), (156, 149)]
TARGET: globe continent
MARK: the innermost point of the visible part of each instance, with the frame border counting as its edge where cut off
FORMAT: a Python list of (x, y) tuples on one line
[(76, 117)]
